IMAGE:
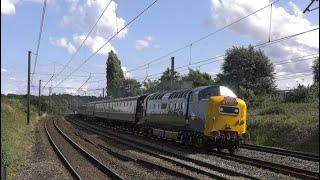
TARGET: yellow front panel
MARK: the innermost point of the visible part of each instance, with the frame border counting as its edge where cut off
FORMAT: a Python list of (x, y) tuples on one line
[(215, 120)]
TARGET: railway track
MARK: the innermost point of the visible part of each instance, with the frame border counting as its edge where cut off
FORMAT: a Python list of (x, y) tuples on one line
[(200, 165), (287, 170), (305, 156), (141, 161), (79, 162)]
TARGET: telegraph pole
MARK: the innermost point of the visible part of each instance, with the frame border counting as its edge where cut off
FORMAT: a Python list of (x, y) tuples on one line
[(49, 100), (172, 72), (28, 95), (102, 92), (39, 98)]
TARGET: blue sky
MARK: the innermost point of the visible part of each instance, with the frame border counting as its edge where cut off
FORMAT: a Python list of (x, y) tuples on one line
[(165, 27)]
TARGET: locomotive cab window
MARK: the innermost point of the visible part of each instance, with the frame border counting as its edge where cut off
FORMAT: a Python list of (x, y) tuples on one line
[(208, 92)]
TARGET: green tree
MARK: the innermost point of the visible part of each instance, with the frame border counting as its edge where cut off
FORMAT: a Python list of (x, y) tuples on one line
[(150, 86), (130, 87), (198, 78), (115, 75), (315, 70), (165, 81), (249, 68)]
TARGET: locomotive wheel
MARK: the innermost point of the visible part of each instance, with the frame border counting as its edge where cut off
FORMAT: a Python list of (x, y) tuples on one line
[(231, 147)]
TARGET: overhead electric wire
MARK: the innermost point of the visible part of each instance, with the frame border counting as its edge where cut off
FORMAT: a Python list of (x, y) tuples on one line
[(84, 39), (293, 77), (261, 44), (287, 37), (202, 38), (84, 83), (48, 81), (287, 61), (107, 42), (39, 38)]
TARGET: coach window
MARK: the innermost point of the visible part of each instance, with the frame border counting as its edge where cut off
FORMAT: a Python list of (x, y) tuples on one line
[(175, 105), (154, 106), (158, 106), (181, 106)]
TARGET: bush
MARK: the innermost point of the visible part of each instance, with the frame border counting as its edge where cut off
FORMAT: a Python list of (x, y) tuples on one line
[(298, 95), (313, 93), (254, 101), (273, 110)]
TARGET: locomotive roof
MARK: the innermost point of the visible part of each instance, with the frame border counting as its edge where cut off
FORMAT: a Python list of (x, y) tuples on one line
[(179, 93), (116, 100), (172, 94)]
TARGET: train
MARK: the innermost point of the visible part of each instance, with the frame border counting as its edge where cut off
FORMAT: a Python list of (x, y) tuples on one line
[(206, 116)]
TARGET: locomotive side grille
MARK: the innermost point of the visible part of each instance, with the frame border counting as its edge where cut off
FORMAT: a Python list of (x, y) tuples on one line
[(229, 110)]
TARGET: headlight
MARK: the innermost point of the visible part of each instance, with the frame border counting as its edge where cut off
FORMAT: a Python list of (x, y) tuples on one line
[(236, 110), (221, 109)]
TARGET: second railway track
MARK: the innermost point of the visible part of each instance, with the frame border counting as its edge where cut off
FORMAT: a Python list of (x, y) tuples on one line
[(80, 163), (305, 156)]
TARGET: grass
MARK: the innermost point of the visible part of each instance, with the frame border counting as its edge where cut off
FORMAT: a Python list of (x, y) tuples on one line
[(293, 126), (17, 137)]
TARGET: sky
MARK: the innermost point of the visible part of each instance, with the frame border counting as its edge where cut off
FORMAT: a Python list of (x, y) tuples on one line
[(168, 28)]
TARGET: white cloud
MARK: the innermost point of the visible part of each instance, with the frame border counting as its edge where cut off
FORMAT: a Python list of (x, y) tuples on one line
[(125, 72), (142, 44), (85, 14), (94, 43), (63, 42), (296, 9), (256, 27), (149, 38), (8, 7), (3, 70)]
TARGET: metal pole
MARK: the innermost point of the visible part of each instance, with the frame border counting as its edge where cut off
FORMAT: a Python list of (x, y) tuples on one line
[(28, 96), (103, 92), (172, 72), (39, 98), (49, 100)]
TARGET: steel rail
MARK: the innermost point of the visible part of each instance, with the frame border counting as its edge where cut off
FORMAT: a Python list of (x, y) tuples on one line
[(287, 170), (88, 156), (73, 172), (128, 142), (296, 154)]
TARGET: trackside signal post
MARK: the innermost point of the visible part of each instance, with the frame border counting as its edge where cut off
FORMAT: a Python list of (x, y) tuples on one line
[(28, 95)]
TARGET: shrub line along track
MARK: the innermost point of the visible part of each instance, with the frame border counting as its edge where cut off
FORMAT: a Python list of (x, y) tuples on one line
[(295, 172), (97, 164), (305, 156), (124, 141)]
